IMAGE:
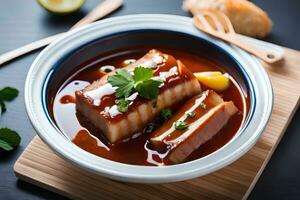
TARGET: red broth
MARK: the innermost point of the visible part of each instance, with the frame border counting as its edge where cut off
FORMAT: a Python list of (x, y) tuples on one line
[(137, 149)]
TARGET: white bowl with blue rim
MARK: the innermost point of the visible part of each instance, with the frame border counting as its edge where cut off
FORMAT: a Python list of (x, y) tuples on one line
[(55, 62)]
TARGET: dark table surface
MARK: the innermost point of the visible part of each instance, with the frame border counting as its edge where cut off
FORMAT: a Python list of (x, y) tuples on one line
[(24, 21)]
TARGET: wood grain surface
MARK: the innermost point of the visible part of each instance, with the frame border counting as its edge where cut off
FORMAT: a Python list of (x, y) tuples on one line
[(40, 166)]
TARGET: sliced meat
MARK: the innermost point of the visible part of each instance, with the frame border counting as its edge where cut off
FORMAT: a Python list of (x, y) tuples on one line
[(197, 106), (211, 115), (96, 102), (153, 59)]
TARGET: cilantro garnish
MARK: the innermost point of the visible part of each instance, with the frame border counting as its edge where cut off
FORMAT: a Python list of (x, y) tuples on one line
[(166, 113), (140, 82), (3, 107), (203, 106), (148, 89), (142, 74), (122, 104), (190, 114), (180, 125), (9, 139), (7, 94), (124, 82), (144, 85)]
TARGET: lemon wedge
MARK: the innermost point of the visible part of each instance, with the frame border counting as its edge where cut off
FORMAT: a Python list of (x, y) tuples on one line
[(61, 6), (214, 80)]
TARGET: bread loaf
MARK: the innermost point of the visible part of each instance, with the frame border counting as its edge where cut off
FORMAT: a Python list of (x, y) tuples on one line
[(246, 17)]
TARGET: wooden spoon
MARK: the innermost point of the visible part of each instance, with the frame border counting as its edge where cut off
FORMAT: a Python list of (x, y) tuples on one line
[(103, 9), (218, 25)]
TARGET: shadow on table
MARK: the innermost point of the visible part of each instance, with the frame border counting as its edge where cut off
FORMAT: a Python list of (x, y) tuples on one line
[(6, 155), (37, 191), (54, 21)]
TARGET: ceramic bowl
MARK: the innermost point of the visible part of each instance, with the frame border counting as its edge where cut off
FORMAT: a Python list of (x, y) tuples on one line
[(56, 61)]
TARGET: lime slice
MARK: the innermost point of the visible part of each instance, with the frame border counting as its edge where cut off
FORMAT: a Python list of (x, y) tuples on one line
[(61, 6)]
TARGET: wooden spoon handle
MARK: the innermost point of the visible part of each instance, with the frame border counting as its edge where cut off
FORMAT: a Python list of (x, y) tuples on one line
[(8, 56), (265, 55), (100, 11), (103, 9)]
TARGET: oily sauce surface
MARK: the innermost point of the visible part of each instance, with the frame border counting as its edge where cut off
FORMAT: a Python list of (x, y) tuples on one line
[(137, 150)]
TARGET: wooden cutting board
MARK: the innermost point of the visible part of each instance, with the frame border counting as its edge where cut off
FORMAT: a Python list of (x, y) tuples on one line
[(40, 166)]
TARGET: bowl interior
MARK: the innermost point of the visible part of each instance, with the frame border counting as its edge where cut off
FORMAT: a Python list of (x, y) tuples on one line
[(141, 40)]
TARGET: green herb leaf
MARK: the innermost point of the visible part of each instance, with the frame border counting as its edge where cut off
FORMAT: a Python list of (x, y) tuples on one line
[(203, 106), (144, 85), (125, 90), (141, 82), (8, 94), (124, 82), (4, 145), (148, 89), (166, 113), (3, 107), (180, 125), (142, 74), (122, 104), (10, 137), (190, 114)]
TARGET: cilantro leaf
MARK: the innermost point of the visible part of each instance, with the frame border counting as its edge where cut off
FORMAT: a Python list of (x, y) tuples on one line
[(190, 114), (140, 82), (125, 73), (180, 125), (10, 138), (121, 78), (125, 90), (8, 94), (203, 106), (3, 107), (124, 82), (166, 113), (4, 145), (148, 89), (142, 74), (144, 85), (122, 104)]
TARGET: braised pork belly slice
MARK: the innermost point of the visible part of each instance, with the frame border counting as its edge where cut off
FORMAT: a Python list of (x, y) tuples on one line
[(153, 59), (96, 102), (205, 115)]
